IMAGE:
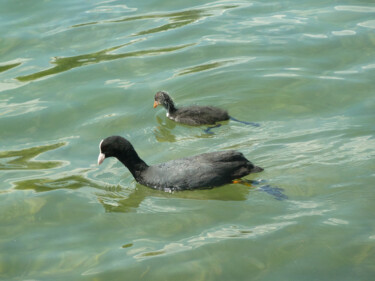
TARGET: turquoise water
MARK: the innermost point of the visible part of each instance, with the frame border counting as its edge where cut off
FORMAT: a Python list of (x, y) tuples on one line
[(74, 72)]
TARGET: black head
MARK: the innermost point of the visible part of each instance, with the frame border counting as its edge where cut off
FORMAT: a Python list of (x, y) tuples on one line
[(114, 146), (162, 98)]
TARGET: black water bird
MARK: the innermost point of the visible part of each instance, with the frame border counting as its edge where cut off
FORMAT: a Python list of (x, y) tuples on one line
[(194, 115), (206, 170)]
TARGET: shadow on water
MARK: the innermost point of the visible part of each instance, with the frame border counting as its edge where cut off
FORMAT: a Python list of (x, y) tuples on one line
[(176, 19), (22, 159), (66, 63)]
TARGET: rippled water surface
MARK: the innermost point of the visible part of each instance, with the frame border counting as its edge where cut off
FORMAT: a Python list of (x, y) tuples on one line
[(74, 72)]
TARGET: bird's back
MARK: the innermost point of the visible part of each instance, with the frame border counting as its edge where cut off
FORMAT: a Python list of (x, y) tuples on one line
[(200, 171), (199, 115)]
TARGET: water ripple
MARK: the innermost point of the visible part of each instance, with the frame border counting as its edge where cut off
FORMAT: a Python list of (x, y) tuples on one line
[(368, 24), (356, 9), (330, 77), (213, 64), (7, 66), (335, 221), (344, 32), (318, 36), (177, 19), (9, 84), (24, 159), (73, 180), (281, 74), (209, 236), (8, 109), (121, 83), (63, 64), (112, 9), (274, 19), (369, 66)]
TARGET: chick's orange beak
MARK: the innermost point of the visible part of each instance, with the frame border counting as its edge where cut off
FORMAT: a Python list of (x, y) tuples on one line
[(156, 104)]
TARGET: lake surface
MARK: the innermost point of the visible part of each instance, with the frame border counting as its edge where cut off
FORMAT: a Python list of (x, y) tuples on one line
[(75, 72)]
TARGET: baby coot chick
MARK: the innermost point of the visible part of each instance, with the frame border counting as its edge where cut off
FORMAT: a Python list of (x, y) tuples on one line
[(206, 170), (190, 115)]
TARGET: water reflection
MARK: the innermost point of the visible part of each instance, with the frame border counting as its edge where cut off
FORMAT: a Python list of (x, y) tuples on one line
[(116, 198), (163, 132), (9, 66), (121, 200), (48, 184), (214, 64), (355, 9), (204, 67), (66, 63), (8, 109), (215, 235), (177, 19), (23, 159)]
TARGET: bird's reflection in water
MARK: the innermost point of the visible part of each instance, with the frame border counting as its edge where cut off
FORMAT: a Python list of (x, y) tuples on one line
[(49, 184), (116, 198), (163, 132), (122, 199), (125, 201), (119, 198)]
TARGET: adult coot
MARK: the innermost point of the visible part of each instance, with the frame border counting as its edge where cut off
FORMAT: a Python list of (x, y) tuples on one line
[(194, 115), (200, 171)]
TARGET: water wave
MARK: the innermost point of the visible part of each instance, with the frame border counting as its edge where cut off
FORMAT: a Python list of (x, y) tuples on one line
[(24, 159), (209, 236), (12, 109), (63, 64)]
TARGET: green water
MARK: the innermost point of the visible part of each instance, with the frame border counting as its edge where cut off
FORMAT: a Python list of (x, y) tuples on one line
[(74, 72)]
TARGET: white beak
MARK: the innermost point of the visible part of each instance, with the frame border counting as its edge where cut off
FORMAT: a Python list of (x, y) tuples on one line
[(101, 158)]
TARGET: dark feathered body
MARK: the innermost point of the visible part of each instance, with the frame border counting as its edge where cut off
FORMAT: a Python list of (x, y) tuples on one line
[(198, 115), (200, 171), (190, 115)]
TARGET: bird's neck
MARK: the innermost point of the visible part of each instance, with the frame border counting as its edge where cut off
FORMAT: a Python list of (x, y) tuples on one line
[(170, 107), (134, 163)]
